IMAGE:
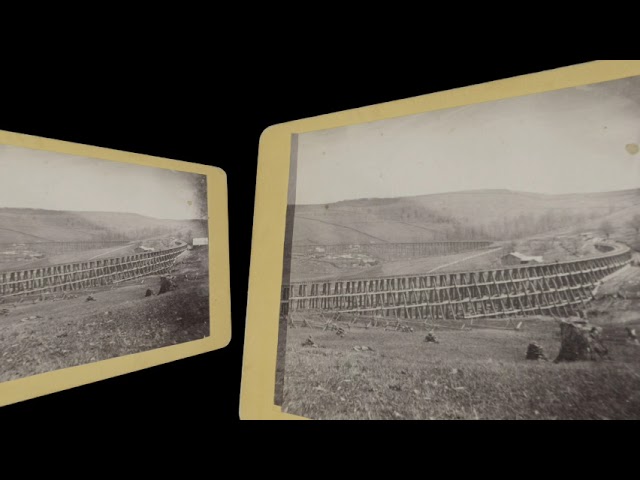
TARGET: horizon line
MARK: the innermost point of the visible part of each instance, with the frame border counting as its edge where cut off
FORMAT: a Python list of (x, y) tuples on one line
[(99, 211), (479, 190)]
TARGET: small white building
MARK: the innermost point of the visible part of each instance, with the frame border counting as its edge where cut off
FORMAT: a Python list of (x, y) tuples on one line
[(200, 241), (517, 258)]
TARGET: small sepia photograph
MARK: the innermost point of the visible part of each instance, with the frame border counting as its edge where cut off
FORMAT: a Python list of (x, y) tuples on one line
[(98, 259), (477, 262)]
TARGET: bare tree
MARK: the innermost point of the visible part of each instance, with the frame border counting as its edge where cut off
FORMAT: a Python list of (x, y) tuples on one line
[(635, 223), (606, 228), (574, 245)]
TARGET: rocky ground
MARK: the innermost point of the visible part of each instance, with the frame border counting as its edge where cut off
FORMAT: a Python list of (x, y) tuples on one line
[(93, 325)]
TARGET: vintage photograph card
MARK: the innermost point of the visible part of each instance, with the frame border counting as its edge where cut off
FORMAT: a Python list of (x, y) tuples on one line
[(470, 254), (110, 262)]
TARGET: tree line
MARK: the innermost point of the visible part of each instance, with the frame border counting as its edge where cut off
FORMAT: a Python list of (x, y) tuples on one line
[(519, 226)]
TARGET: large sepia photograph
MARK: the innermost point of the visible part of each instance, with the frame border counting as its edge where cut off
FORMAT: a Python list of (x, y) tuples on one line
[(98, 259), (478, 262)]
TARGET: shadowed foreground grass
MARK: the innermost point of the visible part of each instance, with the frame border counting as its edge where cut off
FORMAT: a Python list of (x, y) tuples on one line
[(470, 374), (62, 333)]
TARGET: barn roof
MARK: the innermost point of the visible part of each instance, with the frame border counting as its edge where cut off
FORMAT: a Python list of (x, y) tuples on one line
[(526, 258)]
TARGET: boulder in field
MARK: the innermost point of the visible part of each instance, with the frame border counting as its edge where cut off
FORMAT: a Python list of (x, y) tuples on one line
[(309, 342), (536, 352), (166, 285), (431, 338), (580, 341)]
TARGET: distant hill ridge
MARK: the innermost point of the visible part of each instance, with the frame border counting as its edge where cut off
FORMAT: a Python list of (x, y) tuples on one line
[(464, 215), (31, 225), (497, 191)]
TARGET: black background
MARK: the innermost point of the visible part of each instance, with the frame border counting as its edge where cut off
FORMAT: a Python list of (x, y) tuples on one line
[(206, 114)]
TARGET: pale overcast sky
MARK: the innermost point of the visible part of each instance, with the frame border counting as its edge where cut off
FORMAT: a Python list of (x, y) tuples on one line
[(566, 141), (38, 179)]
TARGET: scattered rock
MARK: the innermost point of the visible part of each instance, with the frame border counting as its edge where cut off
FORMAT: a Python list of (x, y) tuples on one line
[(340, 332), (363, 348), (396, 388), (309, 343), (580, 341), (166, 284), (536, 352), (632, 337), (431, 338)]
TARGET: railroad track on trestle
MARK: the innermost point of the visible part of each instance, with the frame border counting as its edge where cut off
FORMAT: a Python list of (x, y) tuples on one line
[(559, 288), (87, 274)]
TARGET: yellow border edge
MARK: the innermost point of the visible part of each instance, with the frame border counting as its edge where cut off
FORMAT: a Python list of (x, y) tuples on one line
[(261, 334)]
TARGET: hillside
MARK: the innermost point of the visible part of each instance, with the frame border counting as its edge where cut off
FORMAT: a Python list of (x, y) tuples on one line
[(481, 214), (21, 225)]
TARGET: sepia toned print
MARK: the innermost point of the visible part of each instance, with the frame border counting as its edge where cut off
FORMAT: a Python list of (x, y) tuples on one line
[(98, 259), (479, 262)]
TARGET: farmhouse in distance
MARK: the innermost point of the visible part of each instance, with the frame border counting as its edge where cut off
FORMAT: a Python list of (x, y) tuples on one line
[(517, 258)]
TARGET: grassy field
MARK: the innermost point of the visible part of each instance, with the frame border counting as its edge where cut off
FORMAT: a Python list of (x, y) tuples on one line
[(311, 269), (8, 262), (64, 332), (470, 374)]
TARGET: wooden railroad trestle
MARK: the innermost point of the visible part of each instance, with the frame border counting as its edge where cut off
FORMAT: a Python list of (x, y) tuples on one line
[(548, 289), (80, 275)]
